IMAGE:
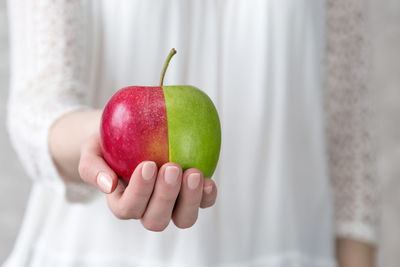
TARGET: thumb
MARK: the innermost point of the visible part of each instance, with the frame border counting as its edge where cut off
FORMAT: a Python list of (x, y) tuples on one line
[(93, 169)]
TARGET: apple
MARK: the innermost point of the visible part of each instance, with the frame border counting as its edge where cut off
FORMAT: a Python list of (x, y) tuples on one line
[(163, 124)]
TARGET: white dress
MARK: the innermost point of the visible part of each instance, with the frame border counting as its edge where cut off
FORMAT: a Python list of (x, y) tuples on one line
[(262, 62)]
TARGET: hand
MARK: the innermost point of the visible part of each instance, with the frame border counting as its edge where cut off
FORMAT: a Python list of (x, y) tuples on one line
[(153, 196)]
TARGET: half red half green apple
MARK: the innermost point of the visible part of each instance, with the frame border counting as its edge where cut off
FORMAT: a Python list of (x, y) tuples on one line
[(163, 124)]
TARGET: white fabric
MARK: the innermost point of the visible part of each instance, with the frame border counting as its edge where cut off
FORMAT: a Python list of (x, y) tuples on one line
[(260, 62)]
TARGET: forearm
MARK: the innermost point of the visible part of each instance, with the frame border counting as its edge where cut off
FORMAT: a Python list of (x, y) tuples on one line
[(66, 137), (351, 253)]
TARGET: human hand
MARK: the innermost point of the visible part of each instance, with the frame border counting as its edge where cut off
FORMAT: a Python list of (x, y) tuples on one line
[(153, 196)]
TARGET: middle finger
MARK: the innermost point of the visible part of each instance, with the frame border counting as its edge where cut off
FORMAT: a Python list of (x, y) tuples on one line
[(159, 210)]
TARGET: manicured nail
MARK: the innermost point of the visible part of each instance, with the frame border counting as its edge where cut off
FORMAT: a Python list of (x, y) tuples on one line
[(171, 174), (193, 180), (148, 170), (105, 182), (208, 189)]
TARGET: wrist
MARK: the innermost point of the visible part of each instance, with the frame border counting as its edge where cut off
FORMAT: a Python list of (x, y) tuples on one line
[(66, 137), (352, 253)]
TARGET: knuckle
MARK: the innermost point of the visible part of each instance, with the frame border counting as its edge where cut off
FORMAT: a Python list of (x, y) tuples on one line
[(184, 224), (203, 206), (120, 216), (113, 206), (207, 204), (136, 214), (154, 225), (83, 169), (123, 213)]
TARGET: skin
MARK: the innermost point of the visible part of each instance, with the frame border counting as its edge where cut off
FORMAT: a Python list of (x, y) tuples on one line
[(352, 253), (81, 147), (77, 155)]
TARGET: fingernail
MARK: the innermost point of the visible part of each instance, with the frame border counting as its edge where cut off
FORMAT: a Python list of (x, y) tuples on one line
[(105, 182), (148, 170), (193, 180), (171, 174), (208, 189)]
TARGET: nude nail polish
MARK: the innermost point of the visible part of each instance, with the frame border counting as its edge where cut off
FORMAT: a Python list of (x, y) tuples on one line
[(193, 180), (148, 170), (105, 182), (208, 189), (171, 175)]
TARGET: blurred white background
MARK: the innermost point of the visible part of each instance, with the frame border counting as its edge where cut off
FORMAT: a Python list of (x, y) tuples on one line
[(386, 44), (14, 185)]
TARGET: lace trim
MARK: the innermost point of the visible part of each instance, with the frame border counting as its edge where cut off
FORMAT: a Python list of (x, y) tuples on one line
[(356, 230)]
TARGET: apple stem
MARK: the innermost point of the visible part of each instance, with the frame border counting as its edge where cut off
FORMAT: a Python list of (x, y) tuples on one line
[(164, 70)]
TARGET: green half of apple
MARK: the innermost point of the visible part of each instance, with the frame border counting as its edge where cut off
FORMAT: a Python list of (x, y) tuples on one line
[(194, 131)]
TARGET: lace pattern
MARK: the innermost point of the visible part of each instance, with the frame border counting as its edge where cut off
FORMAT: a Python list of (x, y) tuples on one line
[(46, 53), (349, 117)]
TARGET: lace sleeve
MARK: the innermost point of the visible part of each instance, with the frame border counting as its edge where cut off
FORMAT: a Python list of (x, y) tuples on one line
[(46, 77), (349, 120)]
